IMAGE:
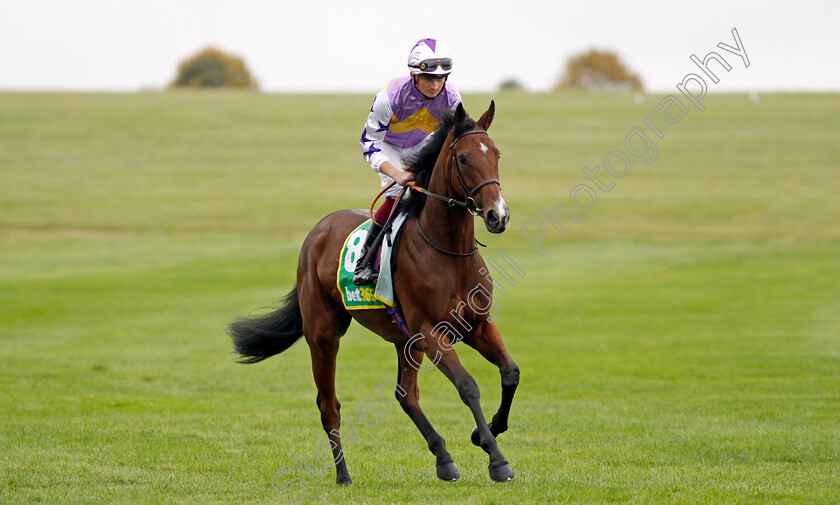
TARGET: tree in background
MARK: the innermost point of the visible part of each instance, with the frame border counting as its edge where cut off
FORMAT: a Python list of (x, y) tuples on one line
[(212, 68), (598, 71), (511, 84)]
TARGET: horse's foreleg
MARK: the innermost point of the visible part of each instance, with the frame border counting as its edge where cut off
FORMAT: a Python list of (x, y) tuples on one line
[(488, 342), (409, 362), (447, 362)]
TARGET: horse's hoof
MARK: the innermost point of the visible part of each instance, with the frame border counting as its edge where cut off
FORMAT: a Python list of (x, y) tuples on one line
[(502, 472), (344, 481), (448, 472), (475, 437)]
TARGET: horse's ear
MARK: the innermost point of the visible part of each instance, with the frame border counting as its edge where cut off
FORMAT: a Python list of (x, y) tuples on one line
[(460, 113), (487, 119)]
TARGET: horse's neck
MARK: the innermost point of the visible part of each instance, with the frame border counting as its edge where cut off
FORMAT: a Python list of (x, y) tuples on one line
[(449, 227)]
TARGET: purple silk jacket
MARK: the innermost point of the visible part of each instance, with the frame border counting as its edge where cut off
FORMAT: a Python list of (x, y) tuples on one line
[(404, 117)]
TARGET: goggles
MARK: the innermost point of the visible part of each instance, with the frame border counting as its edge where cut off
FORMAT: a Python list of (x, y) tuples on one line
[(432, 64)]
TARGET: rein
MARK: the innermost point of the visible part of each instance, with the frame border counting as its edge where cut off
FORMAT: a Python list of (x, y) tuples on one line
[(444, 251), (473, 209)]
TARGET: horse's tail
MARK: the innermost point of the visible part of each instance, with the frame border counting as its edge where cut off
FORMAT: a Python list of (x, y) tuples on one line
[(258, 338)]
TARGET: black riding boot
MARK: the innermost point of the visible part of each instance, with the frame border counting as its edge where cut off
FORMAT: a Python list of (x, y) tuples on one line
[(365, 273)]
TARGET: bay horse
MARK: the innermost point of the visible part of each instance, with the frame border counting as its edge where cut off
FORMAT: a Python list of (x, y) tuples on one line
[(437, 268)]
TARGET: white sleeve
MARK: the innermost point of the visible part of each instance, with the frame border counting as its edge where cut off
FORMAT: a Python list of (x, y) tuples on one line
[(376, 126)]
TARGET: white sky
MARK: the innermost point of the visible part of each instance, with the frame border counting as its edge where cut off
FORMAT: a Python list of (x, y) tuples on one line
[(340, 45)]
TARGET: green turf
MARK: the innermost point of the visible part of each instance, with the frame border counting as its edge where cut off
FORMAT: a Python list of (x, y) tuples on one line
[(680, 345)]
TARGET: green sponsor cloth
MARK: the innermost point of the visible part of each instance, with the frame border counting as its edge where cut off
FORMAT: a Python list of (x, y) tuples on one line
[(355, 297)]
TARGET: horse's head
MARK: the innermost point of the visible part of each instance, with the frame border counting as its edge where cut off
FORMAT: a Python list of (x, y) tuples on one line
[(473, 171)]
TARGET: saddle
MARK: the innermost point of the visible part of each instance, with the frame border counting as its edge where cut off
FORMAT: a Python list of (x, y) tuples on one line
[(379, 294)]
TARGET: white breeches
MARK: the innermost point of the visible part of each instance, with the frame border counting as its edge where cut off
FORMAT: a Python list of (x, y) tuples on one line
[(396, 156)]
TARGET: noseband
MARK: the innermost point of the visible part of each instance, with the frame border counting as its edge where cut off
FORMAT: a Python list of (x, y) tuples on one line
[(469, 203)]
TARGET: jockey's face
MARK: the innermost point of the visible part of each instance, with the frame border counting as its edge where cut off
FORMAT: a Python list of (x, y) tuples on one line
[(429, 85)]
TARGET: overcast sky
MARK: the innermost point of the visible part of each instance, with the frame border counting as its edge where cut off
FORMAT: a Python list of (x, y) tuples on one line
[(339, 45)]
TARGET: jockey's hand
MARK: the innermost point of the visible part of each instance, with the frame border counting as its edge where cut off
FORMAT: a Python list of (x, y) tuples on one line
[(403, 178)]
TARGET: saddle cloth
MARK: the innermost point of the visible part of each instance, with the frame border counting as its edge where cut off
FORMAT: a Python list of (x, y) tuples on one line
[(378, 294)]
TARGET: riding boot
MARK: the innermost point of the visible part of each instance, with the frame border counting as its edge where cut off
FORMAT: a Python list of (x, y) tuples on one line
[(365, 272)]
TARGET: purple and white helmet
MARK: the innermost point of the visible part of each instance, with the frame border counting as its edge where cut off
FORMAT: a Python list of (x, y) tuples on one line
[(428, 56)]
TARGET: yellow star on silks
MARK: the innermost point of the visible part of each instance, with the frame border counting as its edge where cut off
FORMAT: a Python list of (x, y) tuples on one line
[(420, 120)]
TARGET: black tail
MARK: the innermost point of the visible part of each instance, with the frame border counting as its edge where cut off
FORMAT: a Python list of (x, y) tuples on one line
[(258, 338)]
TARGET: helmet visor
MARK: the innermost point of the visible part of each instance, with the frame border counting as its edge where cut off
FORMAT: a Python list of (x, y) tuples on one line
[(431, 65)]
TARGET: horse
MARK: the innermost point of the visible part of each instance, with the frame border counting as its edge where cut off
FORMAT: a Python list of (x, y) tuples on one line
[(438, 266)]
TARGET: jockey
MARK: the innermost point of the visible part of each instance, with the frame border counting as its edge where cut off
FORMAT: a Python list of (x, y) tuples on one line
[(401, 119)]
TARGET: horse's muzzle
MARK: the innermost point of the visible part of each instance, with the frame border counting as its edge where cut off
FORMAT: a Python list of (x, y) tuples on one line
[(497, 217)]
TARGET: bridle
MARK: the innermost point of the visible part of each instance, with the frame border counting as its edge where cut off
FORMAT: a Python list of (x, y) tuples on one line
[(473, 209), (469, 204)]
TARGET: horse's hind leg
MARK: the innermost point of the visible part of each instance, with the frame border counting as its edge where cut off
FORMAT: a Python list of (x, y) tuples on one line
[(410, 403), (323, 324), (488, 342)]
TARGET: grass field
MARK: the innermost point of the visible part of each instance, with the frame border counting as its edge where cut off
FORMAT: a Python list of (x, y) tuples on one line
[(680, 345)]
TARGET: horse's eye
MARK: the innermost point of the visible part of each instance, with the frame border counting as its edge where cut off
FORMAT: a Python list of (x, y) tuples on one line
[(462, 158)]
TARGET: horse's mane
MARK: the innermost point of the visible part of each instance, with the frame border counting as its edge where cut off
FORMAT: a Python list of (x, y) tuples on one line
[(424, 161)]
